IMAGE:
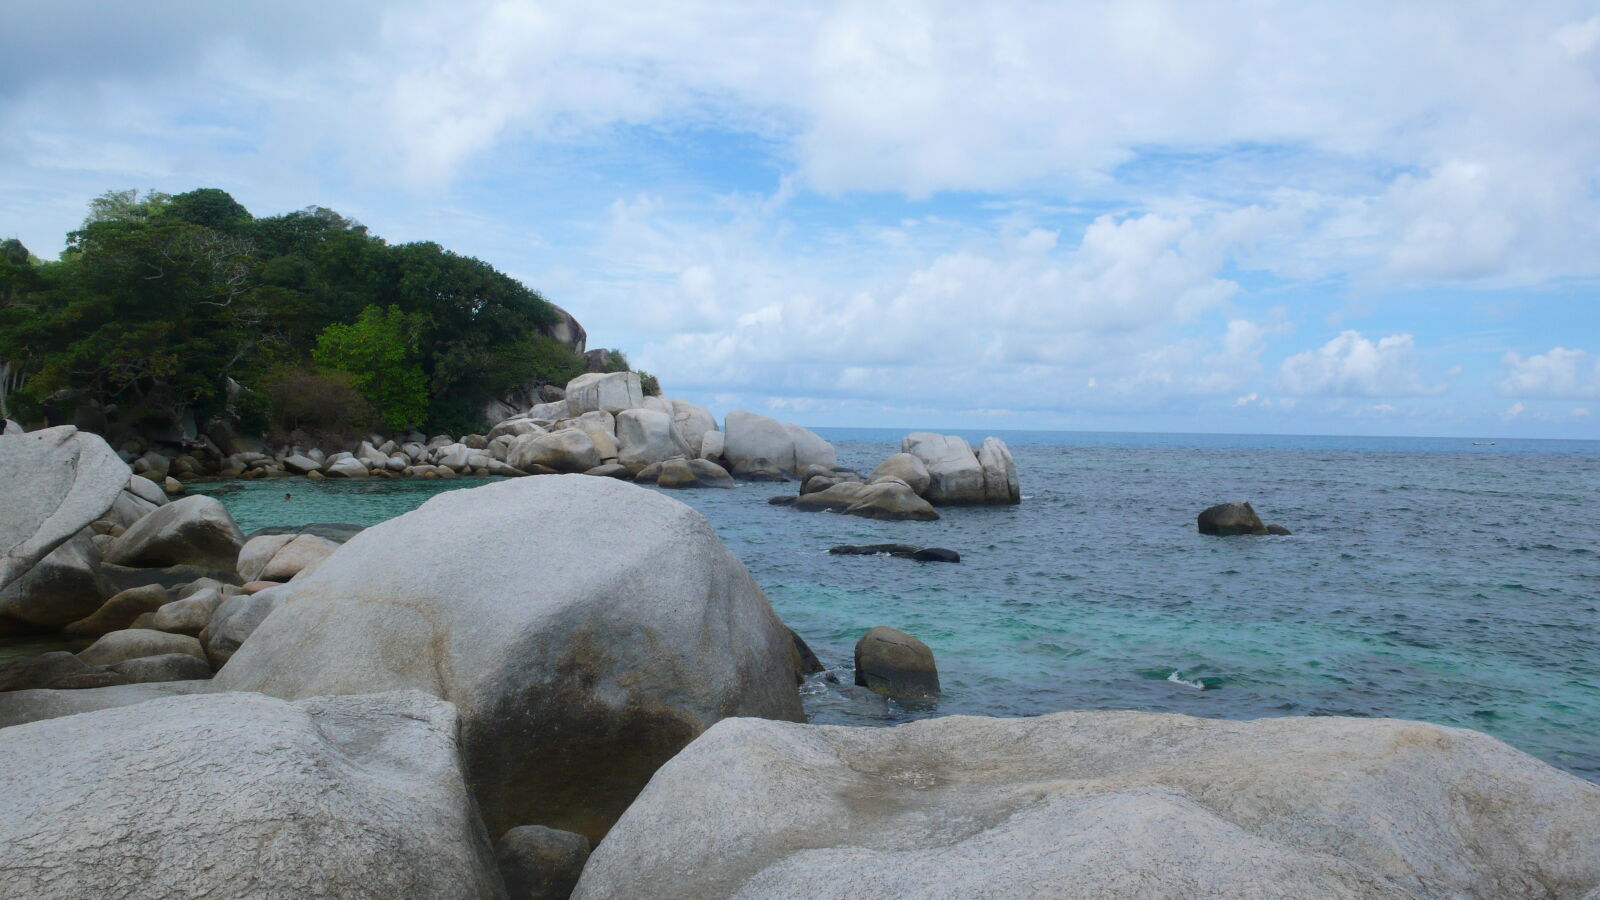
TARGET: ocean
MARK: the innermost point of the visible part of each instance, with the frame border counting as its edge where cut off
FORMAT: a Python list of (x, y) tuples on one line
[(1426, 578)]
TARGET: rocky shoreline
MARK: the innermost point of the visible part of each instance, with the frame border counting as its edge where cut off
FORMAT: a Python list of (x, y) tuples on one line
[(566, 685)]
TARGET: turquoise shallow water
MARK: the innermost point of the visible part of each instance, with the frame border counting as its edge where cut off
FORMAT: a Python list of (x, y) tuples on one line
[(1427, 578)]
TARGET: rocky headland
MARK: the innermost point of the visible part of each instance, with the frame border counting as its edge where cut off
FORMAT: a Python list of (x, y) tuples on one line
[(568, 684)]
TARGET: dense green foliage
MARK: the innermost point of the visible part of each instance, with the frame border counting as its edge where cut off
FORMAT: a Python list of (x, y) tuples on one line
[(158, 301)]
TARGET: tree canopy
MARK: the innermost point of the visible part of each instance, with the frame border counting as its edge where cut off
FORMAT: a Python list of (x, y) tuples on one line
[(160, 300)]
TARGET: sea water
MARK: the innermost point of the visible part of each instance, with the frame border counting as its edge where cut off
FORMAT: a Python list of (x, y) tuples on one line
[(1426, 579)]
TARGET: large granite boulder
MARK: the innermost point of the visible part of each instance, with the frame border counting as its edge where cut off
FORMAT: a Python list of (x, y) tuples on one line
[(235, 619), (194, 531), (610, 391), (570, 450), (644, 436), (240, 795), (594, 630), (690, 422), (954, 473), (57, 481), (1229, 519), (68, 584), (1103, 804), (999, 472), (756, 447), (891, 500), (904, 467), (601, 427)]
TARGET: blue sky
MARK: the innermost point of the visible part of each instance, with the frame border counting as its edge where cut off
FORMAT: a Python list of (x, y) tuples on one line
[(1236, 217)]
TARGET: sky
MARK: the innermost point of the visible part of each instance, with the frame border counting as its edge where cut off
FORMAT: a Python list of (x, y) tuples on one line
[(1247, 217)]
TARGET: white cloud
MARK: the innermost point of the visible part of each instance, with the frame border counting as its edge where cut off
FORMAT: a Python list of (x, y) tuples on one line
[(1558, 372), (1515, 410), (1351, 365)]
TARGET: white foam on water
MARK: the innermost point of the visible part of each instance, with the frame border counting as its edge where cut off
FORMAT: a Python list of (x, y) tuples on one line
[(1176, 678)]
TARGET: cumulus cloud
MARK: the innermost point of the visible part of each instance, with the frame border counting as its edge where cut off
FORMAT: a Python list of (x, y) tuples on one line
[(1352, 365), (1559, 372)]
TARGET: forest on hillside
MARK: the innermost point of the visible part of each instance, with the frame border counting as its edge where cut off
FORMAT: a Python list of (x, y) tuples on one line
[(165, 307)]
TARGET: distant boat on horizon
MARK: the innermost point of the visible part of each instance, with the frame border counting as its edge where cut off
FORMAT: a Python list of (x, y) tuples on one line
[(1483, 443)]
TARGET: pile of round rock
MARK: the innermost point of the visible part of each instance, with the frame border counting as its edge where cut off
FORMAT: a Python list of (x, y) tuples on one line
[(601, 423), (930, 470)]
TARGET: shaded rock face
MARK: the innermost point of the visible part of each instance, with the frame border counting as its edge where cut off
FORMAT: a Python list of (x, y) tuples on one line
[(358, 797), (577, 670), (1229, 519), (68, 584), (235, 619), (193, 531), (1103, 804), (57, 481), (121, 610), (541, 863), (566, 330), (898, 666)]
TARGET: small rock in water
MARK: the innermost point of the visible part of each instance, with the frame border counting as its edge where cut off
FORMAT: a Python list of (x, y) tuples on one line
[(1278, 529), (1229, 519), (898, 666), (904, 551), (782, 500)]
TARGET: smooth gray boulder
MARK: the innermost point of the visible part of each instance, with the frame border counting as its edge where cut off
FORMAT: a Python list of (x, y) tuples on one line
[(586, 637), (609, 391), (240, 795), (644, 436), (1103, 804), (999, 472), (954, 474), (757, 447), (540, 863), (690, 423), (189, 615), (601, 427), (1230, 519), (838, 497), (904, 467), (66, 585), (42, 671), (147, 490), (711, 445), (162, 667), (891, 500), (195, 531), (22, 706), (675, 473), (121, 610), (235, 619), (257, 551), (57, 481), (349, 467), (132, 643), (897, 665), (711, 475), (304, 551), (570, 450), (301, 465)]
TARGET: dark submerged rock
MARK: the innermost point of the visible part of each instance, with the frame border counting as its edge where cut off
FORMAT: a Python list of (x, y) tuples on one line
[(809, 664), (904, 551), (1228, 519)]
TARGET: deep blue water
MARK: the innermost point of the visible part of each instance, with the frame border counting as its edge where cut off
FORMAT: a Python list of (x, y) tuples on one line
[(1427, 578)]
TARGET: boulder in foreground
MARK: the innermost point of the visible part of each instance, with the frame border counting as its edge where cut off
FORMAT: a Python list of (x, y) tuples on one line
[(1103, 805), (240, 795), (586, 637), (57, 481)]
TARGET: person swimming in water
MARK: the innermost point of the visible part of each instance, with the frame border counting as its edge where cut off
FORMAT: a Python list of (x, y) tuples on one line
[(285, 496)]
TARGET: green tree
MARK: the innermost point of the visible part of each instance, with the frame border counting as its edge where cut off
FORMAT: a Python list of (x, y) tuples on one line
[(379, 353)]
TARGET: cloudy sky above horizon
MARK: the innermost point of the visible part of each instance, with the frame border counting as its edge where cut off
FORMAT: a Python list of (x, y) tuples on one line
[(1340, 218)]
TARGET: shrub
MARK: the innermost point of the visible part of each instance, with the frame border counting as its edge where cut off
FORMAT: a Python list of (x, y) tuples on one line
[(652, 387), (325, 405)]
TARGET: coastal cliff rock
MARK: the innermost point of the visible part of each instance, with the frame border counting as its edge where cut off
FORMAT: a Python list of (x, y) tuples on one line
[(1103, 804), (57, 481), (240, 795), (594, 631)]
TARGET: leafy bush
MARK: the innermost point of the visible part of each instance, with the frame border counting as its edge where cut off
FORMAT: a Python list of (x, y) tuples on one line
[(325, 405), (379, 353), (652, 387)]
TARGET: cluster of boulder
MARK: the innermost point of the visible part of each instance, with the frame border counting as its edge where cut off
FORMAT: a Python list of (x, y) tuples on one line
[(478, 699), (930, 470), (601, 423)]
